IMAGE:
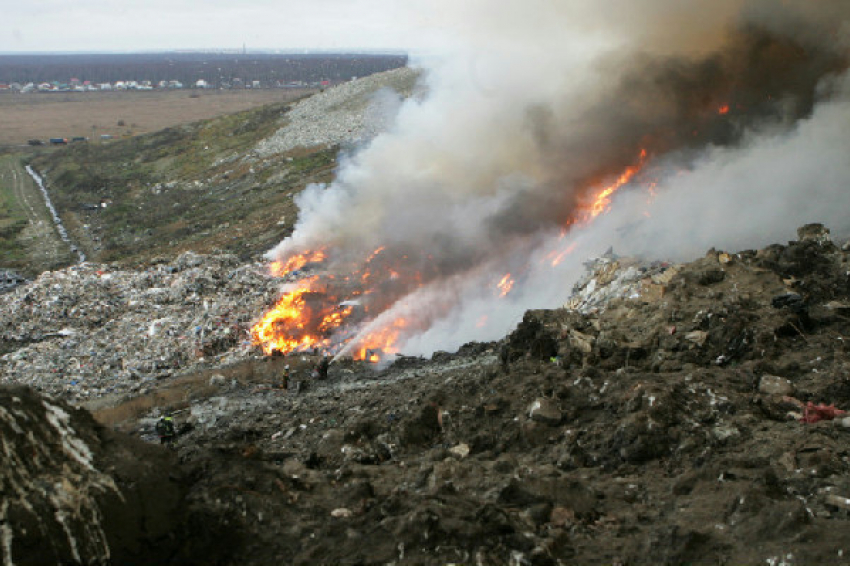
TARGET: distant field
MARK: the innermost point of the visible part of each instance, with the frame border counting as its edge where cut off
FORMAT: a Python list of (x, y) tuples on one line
[(92, 114)]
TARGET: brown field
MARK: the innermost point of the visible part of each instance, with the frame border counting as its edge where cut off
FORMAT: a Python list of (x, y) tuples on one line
[(93, 114)]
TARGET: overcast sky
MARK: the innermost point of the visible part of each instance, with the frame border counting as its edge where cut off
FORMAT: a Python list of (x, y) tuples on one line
[(136, 25)]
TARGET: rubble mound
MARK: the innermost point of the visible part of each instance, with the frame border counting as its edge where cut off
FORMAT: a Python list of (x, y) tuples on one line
[(690, 413), (76, 493), (693, 416), (95, 330), (346, 114)]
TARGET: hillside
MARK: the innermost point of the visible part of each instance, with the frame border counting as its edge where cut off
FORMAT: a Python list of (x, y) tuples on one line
[(202, 187)]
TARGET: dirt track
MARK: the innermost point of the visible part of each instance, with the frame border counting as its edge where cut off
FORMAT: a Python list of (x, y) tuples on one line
[(42, 243)]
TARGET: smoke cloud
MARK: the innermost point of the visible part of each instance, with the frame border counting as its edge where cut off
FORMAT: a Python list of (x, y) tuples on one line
[(479, 196)]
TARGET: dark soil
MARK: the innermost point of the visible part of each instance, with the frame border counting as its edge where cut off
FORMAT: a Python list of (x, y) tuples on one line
[(662, 431)]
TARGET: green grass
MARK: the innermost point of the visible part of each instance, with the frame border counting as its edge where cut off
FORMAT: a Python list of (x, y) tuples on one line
[(13, 218), (183, 188)]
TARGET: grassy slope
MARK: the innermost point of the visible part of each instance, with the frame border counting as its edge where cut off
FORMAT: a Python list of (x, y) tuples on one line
[(13, 219), (29, 241), (184, 188)]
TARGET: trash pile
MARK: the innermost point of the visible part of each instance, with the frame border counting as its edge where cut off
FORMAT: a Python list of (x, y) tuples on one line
[(342, 115), (610, 277), (701, 419), (93, 329), (9, 280), (692, 413)]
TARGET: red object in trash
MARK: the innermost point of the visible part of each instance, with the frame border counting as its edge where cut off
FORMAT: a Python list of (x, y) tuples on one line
[(815, 413)]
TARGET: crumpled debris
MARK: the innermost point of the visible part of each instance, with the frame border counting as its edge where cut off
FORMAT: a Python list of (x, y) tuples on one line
[(812, 413), (9, 280), (815, 413), (610, 277), (346, 114), (91, 329)]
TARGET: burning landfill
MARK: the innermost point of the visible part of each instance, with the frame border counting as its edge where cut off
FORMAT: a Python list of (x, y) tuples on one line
[(662, 410), (718, 128)]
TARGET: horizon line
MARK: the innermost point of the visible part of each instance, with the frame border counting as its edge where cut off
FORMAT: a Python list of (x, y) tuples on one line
[(223, 50)]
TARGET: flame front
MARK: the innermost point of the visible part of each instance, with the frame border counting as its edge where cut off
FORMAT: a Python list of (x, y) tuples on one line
[(602, 201), (341, 310)]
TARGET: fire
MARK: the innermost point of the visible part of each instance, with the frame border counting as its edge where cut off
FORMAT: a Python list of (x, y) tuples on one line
[(602, 201), (342, 311), (381, 342), (296, 262), (505, 285), (723, 109), (290, 312), (557, 258)]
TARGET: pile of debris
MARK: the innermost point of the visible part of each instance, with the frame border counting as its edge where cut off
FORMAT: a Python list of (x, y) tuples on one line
[(9, 280), (611, 277), (702, 419), (344, 115), (93, 329)]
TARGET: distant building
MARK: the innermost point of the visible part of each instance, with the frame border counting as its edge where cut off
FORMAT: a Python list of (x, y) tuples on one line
[(201, 83)]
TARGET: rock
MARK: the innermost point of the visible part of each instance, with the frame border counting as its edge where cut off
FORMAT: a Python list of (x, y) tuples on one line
[(814, 232), (698, 337), (460, 451), (218, 380), (837, 501), (561, 516), (341, 513), (775, 385), (545, 410)]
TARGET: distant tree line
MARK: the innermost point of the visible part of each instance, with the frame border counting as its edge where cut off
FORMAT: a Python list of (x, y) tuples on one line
[(217, 69)]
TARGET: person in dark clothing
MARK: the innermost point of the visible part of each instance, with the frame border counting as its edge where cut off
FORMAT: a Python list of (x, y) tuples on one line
[(165, 430), (323, 366)]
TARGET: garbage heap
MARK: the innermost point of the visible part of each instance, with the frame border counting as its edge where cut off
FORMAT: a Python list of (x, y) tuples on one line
[(94, 329)]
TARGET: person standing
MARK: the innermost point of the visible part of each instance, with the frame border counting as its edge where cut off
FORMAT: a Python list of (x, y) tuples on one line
[(165, 430)]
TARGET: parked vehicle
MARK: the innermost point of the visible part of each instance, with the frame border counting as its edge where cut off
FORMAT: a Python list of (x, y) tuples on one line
[(58, 141), (35, 142)]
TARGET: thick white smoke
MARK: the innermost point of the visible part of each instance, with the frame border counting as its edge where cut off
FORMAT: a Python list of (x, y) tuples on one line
[(542, 103)]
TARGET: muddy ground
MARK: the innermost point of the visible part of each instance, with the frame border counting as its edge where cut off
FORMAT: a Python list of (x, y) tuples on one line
[(669, 429)]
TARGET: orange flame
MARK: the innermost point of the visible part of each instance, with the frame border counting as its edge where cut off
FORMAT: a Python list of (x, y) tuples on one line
[(289, 312), (296, 262), (308, 316), (381, 342), (723, 109), (557, 257), (602, 200), (505, 285)]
